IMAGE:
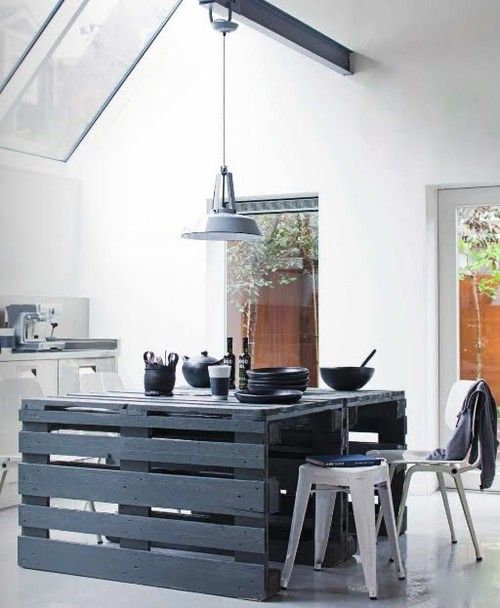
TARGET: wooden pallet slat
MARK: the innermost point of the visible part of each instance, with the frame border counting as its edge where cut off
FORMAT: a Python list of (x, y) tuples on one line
[(168, 530), (221, 454), (162, 569), (204, 494), (117, 418)]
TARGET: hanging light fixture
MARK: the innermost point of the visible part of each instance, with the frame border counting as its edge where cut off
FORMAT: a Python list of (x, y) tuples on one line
[(223, 223)]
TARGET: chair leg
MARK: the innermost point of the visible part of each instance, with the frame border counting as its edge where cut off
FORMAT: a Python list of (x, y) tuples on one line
[(380, 516), (363, 507), (299, 512), (91, 506), (385, 495), (325, 503), (444, 496), (404, 496), (465, 506), (3, 477)]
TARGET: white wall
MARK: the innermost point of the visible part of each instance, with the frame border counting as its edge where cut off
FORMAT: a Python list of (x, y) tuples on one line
[(39, 233), (422, 109)]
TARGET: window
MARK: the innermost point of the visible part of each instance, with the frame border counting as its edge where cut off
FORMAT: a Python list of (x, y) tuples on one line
[(79, 77), (272, 285), (21, 23), (478, 275)]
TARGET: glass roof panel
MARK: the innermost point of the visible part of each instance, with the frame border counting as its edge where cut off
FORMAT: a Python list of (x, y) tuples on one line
[(78, 79), (21, 23)]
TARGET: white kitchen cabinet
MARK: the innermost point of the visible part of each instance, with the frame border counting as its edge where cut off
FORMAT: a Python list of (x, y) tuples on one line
[(45, 371)]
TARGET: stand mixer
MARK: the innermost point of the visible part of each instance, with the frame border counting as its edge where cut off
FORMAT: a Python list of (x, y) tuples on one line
[(33, 325)]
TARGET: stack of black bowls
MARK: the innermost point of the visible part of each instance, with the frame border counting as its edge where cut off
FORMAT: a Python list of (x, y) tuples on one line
[(278, 378)]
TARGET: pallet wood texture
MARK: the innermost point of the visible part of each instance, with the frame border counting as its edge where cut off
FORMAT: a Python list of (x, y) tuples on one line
[(191, 493)]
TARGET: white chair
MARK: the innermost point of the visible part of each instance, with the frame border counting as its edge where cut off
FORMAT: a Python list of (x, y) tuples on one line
[(416, 461), (360, 482), (91, 382), (12, 392), (100, 382), (111, 381)]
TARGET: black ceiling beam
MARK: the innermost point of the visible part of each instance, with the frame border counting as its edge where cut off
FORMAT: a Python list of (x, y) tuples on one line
[(275, 22)]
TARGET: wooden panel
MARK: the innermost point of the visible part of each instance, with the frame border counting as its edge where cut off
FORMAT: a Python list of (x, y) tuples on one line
[(159, 568), (210, 495), (157, 529), (117, 419), (208, 453)]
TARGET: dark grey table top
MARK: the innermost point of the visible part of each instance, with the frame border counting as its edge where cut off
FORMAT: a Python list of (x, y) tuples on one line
[(199, 401)]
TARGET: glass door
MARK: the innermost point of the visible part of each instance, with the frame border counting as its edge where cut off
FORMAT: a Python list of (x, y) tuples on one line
[(469, 288)]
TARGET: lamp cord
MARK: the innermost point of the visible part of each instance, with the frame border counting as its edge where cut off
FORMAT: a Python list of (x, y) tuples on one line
[(224, 99)]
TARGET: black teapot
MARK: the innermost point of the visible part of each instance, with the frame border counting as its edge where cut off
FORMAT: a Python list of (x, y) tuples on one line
[(195, 369)]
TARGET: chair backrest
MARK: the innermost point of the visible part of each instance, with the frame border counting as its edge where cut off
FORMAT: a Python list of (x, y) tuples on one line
[(12, 392), (455, 400), (100, 382), (91, 382), (111, 381)]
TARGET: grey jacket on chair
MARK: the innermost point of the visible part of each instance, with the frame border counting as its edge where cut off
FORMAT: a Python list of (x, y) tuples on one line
[(476, 430)]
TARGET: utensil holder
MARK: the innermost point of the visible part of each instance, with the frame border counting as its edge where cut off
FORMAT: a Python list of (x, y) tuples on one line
[(159, 380)]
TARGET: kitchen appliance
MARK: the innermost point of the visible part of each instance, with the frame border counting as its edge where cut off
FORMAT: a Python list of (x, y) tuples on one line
[(32, 324)]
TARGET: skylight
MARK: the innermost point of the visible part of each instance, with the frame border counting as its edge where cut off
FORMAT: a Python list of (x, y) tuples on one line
[(21, 23), (77, 79)]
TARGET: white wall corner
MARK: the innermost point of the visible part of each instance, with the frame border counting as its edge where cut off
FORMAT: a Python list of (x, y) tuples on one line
[(432, 317)]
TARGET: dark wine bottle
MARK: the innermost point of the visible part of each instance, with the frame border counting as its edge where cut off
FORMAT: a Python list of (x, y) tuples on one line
[(230, 359), (245, 363)]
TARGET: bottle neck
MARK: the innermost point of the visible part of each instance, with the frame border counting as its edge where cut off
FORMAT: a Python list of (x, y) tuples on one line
[(245, 346), (230, 346)]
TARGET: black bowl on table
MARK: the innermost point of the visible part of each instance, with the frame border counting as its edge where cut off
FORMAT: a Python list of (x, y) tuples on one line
[(346, 378), (276, 397)]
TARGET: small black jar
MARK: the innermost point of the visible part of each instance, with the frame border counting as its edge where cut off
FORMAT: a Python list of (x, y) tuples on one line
[(159, 380)]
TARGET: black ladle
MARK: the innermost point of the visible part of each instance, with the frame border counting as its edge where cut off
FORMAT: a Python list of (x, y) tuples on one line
[(368, 358)]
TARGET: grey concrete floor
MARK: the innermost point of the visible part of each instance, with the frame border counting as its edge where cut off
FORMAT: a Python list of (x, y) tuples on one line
[(439, 575)]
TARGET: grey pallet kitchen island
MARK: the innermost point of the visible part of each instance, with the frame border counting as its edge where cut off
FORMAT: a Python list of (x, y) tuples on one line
[(191, 493)]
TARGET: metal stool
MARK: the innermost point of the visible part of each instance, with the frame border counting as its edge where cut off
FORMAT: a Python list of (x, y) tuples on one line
[(360, 482)]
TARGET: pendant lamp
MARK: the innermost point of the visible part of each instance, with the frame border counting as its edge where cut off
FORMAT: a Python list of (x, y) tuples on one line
[(223, 223)]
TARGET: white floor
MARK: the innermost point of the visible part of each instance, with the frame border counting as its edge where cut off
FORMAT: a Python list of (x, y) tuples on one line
[(439, 575)]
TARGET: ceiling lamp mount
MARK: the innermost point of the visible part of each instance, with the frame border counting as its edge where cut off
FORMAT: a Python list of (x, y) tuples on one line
[(225, 26), (223, 223)]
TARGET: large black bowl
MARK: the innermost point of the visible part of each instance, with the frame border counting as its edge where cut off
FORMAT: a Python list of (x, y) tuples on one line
[(346, 378)]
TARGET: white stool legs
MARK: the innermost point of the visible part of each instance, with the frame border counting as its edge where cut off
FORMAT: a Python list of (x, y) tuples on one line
[(325, 504), (299, 511), (364, 516), (360, 483), (387, 507)]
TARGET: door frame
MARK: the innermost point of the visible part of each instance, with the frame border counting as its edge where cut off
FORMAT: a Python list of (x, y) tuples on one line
[(447, 200)]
